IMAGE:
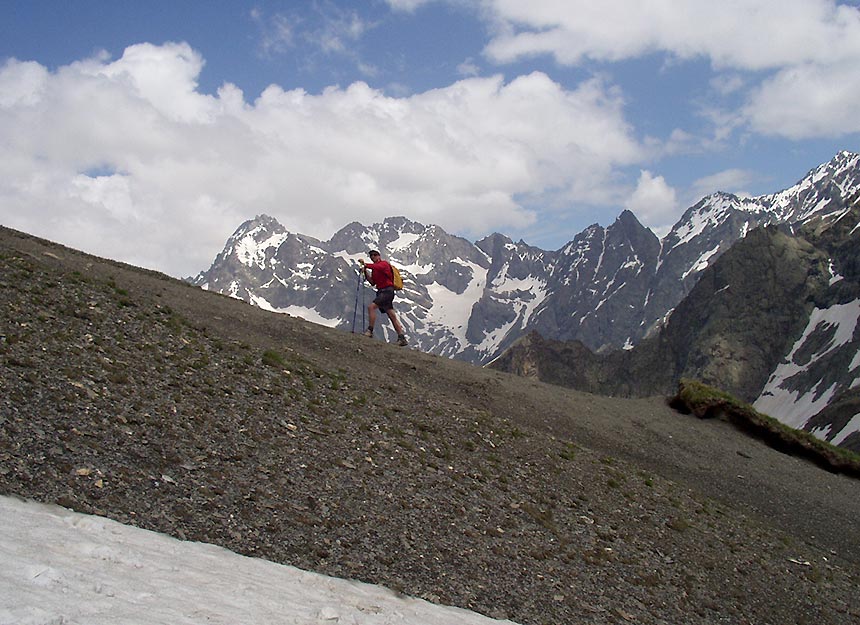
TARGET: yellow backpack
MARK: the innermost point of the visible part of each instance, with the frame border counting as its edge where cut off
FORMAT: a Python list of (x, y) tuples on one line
[(396, 277)]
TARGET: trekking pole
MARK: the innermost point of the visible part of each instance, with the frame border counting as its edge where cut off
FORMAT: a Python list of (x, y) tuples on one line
[(355, 309), (363, 309)]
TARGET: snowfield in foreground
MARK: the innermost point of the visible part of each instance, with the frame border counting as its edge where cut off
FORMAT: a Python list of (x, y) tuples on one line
[(63, 567)]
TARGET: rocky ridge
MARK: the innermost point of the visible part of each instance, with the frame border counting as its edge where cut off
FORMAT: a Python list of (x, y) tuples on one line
[(138, 397), (775, 320), (609, 287)]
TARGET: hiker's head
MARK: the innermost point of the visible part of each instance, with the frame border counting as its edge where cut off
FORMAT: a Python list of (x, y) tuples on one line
[(374, 255)]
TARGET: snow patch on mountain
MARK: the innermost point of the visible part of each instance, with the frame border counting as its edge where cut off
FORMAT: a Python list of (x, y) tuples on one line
[(251, 252), (452, 310), (713, 211), (609, 288), (702, 263), (309, 314), (837, 324), (852, 426), (855, 367), (795, 408), (415, 269), (403, 241)]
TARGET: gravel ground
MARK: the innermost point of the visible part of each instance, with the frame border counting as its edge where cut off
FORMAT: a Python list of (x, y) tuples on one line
[(135, 396)]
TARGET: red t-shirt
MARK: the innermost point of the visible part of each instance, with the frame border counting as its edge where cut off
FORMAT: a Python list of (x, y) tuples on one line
[(380, 274)]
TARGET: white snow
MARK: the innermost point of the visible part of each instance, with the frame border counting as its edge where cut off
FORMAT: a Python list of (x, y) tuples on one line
[(792, 408), (789, 406), (814, 209), (852, 426), (843, 316), (303, 312), (602, 254), (834, 276), (710, 214), (403, 241), (509, 289), (250, 252), (855, 364), (63, 567), (261, 302), (351, 259), (309, 314), (415, 269), (452, 311), (702, 263), (303, 271)]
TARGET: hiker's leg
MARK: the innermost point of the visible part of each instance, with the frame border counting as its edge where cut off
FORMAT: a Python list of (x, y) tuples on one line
[(371, 314), (397, 327)]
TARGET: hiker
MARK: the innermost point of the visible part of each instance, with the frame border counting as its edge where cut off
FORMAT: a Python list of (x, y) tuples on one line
[(382, 277)]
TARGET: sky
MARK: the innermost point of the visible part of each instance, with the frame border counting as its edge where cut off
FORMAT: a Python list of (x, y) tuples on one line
[(148, 132), (60, 566)]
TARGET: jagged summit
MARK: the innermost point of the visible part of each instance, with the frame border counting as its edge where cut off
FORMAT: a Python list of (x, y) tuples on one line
[(609, 287), (775, 321)]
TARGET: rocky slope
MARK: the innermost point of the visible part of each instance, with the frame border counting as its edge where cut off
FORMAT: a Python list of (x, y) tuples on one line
[(135, 396)]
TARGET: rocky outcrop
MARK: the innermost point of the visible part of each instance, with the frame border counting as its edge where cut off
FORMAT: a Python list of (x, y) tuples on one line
[(774, 318)]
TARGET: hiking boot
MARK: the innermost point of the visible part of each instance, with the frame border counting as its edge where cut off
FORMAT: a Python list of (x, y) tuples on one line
[(401, 340), (369, 332)]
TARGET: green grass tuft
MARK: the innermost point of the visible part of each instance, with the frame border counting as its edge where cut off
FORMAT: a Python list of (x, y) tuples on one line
[(707, 402), (271, 358)]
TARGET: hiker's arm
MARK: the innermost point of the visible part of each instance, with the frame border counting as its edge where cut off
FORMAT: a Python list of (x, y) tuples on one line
[(364, 269)]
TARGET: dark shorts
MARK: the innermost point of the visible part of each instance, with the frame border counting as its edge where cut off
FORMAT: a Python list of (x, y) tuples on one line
[(385, 299)]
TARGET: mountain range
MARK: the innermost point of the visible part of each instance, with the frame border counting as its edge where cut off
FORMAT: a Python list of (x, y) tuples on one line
[(774, 322)]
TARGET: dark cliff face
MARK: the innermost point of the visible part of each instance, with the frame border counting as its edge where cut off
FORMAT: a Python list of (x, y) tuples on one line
[(599, 283), (729, 331), (739, 319)]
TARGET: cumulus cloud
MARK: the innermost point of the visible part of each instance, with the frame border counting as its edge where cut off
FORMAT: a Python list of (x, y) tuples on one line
[(127, 159), (21, 83), (728, 33), (808, 101), (654, 202), (801, 54)]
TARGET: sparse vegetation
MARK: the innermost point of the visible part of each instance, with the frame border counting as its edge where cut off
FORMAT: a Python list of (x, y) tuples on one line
[(272, 358), (210, 420)]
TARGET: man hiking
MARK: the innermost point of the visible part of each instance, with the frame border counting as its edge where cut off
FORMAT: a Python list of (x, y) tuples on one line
[(382, 277)]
